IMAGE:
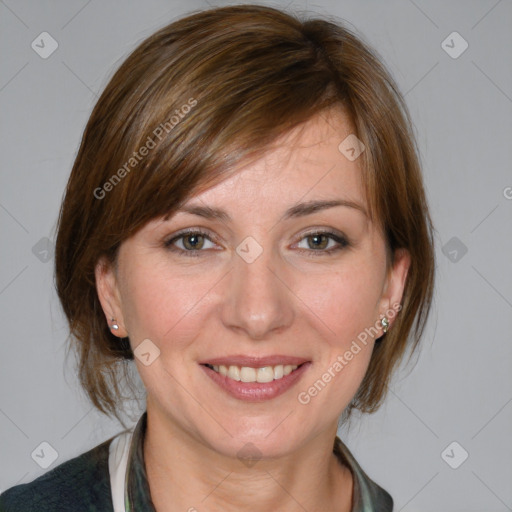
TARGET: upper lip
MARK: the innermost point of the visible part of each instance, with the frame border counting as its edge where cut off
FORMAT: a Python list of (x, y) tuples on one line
[(254, 362)]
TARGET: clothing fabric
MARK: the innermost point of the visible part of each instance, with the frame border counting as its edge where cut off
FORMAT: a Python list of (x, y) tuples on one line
[(112, 478), (119, 451)]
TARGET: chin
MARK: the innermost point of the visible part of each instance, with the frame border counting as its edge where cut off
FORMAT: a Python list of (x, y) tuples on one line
[(256, 438)]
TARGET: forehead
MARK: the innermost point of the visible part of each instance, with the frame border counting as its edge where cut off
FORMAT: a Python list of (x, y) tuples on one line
[(304, 163)]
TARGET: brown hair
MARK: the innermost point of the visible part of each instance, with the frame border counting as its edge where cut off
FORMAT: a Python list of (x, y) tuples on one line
[(202, 95)]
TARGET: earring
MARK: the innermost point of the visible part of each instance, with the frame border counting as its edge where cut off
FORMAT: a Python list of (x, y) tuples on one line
[(384, 322), (114, 326)]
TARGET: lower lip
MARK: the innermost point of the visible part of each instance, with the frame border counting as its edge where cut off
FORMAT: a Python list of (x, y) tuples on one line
[(256, 391)]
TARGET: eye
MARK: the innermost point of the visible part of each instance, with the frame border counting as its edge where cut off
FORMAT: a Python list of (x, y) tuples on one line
[(190, 242), (323, 242), (317, 243)]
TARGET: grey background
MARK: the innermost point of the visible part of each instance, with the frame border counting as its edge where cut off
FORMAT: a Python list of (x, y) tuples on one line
[(458, 389)]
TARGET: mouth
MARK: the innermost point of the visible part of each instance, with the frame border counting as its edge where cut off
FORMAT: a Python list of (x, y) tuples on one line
[(255, 379), (262, 374)]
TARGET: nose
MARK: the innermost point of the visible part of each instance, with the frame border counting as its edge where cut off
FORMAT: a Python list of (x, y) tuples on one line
[(257, 301)]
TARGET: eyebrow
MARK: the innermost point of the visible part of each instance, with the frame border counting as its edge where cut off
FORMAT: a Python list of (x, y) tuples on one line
[(298, 210)]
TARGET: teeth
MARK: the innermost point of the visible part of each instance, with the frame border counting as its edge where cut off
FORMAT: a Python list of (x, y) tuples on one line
[(265, 374), (288, 369), (233, 372), (248, 374)]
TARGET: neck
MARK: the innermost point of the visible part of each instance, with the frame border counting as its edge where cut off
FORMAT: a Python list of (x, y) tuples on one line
[(185, 475)]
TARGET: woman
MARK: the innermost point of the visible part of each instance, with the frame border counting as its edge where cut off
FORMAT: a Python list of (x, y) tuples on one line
[(246, 221)]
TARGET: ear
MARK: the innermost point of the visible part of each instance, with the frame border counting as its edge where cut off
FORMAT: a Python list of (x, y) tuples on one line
[(395, 283), (108, 294)]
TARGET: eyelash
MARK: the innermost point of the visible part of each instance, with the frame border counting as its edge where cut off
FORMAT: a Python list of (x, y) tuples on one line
[(340, 240)]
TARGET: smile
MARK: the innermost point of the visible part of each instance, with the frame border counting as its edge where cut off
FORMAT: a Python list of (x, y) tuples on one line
[(249, 374), (255, 379)]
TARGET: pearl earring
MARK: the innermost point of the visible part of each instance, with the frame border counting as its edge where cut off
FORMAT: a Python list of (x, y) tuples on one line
[(385, 324), (114, 326)]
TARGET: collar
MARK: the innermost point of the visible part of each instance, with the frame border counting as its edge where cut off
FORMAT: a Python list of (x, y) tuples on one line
[(130, 487)]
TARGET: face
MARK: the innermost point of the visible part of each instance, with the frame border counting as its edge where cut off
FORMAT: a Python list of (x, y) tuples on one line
[(251, 276)]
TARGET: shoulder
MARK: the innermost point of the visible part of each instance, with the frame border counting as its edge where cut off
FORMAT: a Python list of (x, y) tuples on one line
[(81, 483)]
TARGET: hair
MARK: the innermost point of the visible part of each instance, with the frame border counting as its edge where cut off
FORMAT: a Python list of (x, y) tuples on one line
[(202, 95)]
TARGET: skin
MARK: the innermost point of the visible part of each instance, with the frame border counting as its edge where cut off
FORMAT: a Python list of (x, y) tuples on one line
[(294, 299)]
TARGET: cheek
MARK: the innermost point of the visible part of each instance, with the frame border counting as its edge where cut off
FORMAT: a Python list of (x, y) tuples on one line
[(345, 306), (158, 301), (345, 301)]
